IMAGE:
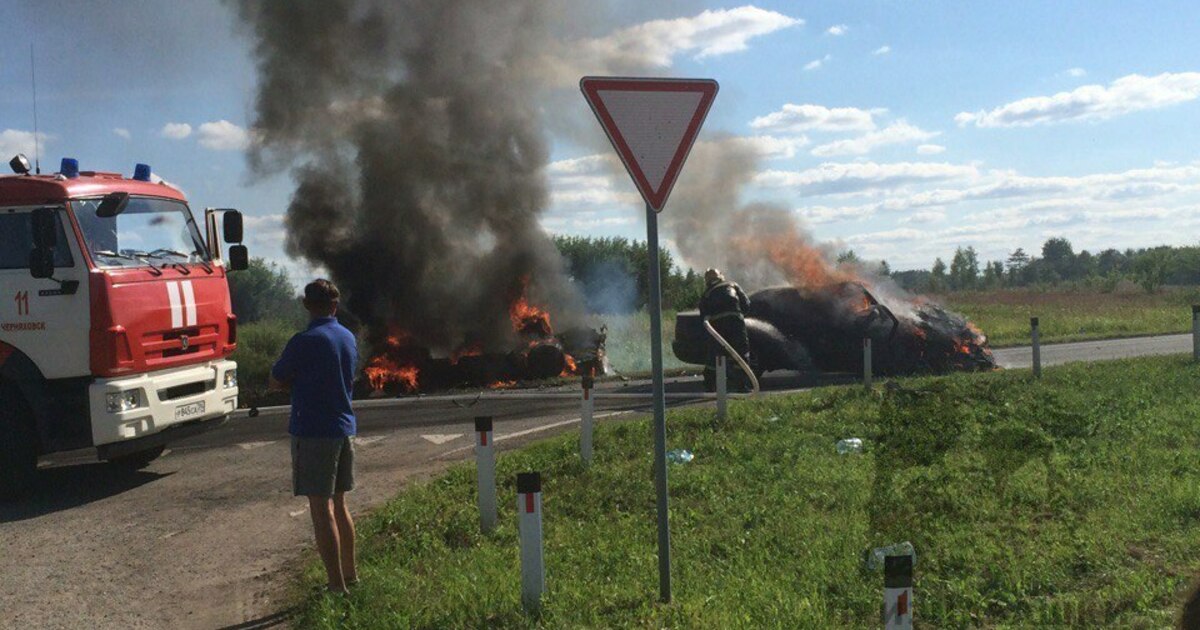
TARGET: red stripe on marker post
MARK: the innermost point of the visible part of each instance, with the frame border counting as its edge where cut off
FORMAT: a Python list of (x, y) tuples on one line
[(485, 466), (529, 530)]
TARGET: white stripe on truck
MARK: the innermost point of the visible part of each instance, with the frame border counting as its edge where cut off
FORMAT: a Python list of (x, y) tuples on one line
[(176, 305)]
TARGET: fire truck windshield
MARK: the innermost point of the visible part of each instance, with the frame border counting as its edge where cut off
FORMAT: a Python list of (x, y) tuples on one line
[(147, 232)]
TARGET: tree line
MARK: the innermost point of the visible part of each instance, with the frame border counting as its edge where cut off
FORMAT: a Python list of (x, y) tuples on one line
[(612, 274), (1059, 264)]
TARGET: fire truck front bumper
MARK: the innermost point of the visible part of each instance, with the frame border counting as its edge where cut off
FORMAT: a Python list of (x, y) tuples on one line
[(134, 408)]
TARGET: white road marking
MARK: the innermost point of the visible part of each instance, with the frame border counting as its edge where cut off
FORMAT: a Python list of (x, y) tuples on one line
[(544, 427), (442, 438), (249, 446), (362, 441)]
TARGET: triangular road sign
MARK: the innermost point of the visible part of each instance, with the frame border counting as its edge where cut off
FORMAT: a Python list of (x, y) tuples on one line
[(652, 124)]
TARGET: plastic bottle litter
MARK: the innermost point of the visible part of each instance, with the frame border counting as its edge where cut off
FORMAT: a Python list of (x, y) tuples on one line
[(680, 456), (873, 558), (849, 445)]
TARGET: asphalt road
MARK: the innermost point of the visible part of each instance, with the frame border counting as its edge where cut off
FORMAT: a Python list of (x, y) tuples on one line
[(206, 537)]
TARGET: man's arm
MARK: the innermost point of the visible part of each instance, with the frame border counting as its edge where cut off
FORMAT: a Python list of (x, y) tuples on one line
[(284, 370), (743, 300), (276, 385)]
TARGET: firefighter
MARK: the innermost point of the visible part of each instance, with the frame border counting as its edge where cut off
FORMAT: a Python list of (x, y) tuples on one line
[(724, 305)]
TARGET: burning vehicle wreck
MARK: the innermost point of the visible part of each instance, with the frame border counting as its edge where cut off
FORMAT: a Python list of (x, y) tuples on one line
[(806, 329), (400, 365)]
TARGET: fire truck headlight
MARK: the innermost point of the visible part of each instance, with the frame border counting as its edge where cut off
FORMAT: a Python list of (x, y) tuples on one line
[(124, 401), (231, 379)]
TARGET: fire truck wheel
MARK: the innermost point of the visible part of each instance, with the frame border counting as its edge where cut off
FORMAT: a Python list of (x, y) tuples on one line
[(138, 460), (18, 451)]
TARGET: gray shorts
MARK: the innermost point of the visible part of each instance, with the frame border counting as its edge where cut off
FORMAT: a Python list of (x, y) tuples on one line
[(322, 466)]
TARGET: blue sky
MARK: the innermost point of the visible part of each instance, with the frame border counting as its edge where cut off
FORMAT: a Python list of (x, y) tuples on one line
[(899, 129)]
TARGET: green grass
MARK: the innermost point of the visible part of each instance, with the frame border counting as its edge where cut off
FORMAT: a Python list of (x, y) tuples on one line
[(259, 345), (1070, 501), (1074, 315)]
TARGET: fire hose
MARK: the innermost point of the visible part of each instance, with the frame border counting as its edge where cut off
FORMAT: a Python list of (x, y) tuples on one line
[(733, 353)]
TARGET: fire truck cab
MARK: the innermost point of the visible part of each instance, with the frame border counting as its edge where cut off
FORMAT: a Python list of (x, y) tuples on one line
[(115, 318)]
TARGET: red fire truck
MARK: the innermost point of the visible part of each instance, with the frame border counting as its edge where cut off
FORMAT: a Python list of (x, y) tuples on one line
[(115, 319)]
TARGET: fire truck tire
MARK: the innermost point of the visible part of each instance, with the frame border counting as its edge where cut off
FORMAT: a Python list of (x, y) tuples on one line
[(138, 460), (18, 451)]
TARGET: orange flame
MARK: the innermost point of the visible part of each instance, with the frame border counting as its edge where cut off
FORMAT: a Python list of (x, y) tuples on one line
[(473, 350), (571, 367), (382, 370)]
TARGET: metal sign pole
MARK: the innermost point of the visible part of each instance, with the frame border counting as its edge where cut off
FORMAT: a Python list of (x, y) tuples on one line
[(660, 407)]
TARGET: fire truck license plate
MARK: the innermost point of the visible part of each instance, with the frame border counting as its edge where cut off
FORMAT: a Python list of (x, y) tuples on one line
[(183, 412)]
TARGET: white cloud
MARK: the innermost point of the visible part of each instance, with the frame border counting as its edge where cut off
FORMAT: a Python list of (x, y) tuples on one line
[(1076, 72), (176, 131), (655, 44), (831, 214), (882, 50), (930, 149), (807, 117), (851, 177), (898, 132), (773, 147), (588, 164), (122, 132), (1127, 94), (266, 229), (817, 63), (838, 30), (925, 216), (223, 135), (14, 141)]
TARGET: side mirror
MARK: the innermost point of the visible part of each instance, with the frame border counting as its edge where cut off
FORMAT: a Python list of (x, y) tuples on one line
[(112, 205), (45, 229), (239, 258), (41, 262), (231, 224)]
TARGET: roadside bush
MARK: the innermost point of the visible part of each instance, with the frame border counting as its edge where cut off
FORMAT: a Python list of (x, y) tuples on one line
[(259, 344)]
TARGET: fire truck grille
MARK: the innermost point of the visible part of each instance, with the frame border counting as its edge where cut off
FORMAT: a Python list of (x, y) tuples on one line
[(166, 347), (183, 391)]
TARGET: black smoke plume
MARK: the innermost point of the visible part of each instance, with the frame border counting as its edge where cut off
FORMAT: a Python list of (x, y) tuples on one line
[(413, 131)]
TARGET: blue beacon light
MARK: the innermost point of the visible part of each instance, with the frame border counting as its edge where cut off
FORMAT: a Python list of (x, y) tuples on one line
[(141, 172), (69, 168)]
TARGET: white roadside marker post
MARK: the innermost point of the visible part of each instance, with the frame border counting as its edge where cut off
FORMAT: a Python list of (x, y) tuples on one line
[(1196, 332), (586, 408), (1037, 347), (485, 466), (722, 387), (868, 372), (897, 592), (529, 528)]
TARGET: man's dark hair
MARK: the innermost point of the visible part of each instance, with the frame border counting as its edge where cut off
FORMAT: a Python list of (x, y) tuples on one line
[(321, 293)]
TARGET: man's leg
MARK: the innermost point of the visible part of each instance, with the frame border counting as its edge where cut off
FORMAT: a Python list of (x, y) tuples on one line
[(328, 544), (345, 528)]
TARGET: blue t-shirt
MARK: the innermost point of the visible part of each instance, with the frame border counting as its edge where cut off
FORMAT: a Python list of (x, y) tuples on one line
[(319, 363)]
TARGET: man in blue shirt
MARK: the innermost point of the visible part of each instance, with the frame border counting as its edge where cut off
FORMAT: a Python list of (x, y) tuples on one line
[(318, 366)]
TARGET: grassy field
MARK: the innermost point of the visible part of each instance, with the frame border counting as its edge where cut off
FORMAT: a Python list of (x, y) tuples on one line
[(1074, 500), (1074, 315)]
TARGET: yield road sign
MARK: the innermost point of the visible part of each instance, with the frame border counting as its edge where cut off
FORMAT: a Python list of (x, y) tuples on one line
[(652, 124)]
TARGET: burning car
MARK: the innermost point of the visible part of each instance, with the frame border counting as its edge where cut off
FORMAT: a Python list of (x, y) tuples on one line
[(823, 328), (402, 365)]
